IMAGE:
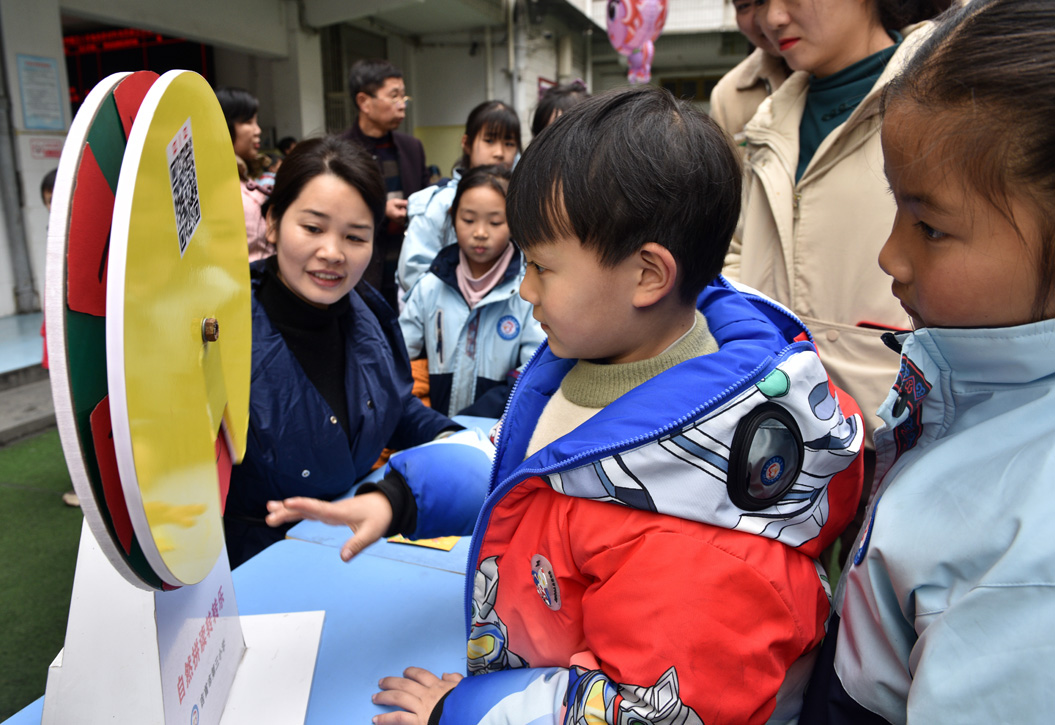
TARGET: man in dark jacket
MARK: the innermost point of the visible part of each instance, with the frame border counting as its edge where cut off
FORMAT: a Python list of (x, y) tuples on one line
[(380, 95)]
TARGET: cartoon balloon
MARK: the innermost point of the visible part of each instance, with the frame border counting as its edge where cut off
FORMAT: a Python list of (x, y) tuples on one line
[(633, 26)]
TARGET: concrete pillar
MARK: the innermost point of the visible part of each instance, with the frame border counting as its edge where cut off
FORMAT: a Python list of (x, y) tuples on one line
[(565, 71), (35, 70), (299, 97)]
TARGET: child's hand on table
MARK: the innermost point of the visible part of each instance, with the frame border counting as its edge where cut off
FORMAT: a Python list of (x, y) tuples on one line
[(416, 692), (368, 516)]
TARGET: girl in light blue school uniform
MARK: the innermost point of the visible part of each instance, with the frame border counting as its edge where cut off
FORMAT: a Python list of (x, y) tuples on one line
[(466, 313), (945, 612), (492, 137)]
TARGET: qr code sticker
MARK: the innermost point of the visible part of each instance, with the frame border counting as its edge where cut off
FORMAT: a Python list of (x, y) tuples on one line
[(184, 178)]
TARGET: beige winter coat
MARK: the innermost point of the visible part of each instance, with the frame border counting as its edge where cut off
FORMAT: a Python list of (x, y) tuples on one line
[(738, 94), (814, 245)]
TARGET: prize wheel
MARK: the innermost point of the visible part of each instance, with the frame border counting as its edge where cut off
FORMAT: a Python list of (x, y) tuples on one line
[(178, 326), (75, 310)]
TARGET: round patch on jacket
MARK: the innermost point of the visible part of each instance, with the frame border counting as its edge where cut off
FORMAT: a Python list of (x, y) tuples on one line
[(545, 581), (772, 470), (508, 327)]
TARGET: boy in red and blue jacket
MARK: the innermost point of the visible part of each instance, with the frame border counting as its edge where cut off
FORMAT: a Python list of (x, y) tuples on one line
[(668, 467)]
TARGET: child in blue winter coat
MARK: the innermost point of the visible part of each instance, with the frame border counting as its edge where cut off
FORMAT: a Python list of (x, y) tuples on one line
[(466, 313), (492, 138), (946, 606)]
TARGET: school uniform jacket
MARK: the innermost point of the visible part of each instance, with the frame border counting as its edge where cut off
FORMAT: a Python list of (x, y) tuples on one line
[(947, 604), (470, 351), (813, 245), (611, 577), (429, 229)]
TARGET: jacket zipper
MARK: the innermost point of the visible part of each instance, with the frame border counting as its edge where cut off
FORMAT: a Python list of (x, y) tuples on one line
[(470, 581), (439, 335)]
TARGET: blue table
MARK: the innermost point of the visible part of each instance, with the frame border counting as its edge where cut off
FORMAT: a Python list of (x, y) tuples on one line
[(382, 615), (391, 607)]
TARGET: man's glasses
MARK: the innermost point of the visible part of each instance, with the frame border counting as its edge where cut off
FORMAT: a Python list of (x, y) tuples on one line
[(396, 99)]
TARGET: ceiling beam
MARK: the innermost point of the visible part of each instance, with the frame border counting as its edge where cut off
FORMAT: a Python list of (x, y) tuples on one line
[(320, 13)]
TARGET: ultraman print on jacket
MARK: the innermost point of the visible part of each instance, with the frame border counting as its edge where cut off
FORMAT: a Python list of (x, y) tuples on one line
[(614, 579)]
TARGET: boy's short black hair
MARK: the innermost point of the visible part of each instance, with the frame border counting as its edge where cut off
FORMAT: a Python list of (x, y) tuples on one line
[(625, 168), (368, 75)]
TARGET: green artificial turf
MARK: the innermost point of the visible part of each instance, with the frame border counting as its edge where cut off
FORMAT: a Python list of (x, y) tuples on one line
[(38, 553)]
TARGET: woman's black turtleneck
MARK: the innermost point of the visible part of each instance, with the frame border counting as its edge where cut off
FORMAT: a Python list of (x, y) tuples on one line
[(314, 335)]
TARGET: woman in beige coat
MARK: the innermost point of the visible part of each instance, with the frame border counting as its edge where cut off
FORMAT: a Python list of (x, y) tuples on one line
[(817, 208), (738, 94)]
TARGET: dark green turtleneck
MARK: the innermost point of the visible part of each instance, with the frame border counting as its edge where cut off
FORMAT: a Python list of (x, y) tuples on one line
[(831, 100)]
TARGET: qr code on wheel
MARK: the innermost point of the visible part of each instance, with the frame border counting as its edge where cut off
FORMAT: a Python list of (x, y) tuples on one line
[(184, 178)]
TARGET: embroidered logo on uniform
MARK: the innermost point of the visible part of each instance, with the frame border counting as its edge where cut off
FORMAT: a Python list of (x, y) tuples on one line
[(908, 432), (545, 581), (912, 388), (911, 384), (508, 327)]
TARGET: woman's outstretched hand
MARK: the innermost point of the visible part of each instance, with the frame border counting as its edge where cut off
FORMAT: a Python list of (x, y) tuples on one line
[(368, 516)]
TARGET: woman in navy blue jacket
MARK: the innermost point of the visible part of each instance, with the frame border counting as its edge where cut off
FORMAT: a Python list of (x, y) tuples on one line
[(331, 382)]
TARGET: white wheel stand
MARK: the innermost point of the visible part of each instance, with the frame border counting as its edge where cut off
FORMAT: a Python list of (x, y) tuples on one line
[(127, 651)]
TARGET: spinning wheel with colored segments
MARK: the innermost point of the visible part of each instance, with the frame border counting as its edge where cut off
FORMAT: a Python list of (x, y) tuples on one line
[(75, 307), (156, 314), (178, 331)]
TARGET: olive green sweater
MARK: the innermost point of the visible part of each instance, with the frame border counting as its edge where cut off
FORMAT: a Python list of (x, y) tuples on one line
[(589, 387)]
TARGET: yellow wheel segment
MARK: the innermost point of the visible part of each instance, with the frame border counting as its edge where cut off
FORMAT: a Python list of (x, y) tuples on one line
[(178, 324)]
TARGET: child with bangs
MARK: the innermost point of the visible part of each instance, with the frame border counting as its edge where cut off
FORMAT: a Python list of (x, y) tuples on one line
[(492, 138), (946, 606), (668, 467)]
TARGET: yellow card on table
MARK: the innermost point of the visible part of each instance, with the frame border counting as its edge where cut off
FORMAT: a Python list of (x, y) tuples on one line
[(444, 543)]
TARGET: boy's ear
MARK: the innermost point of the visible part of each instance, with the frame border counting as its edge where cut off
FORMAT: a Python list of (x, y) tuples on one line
[(657, 275)]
